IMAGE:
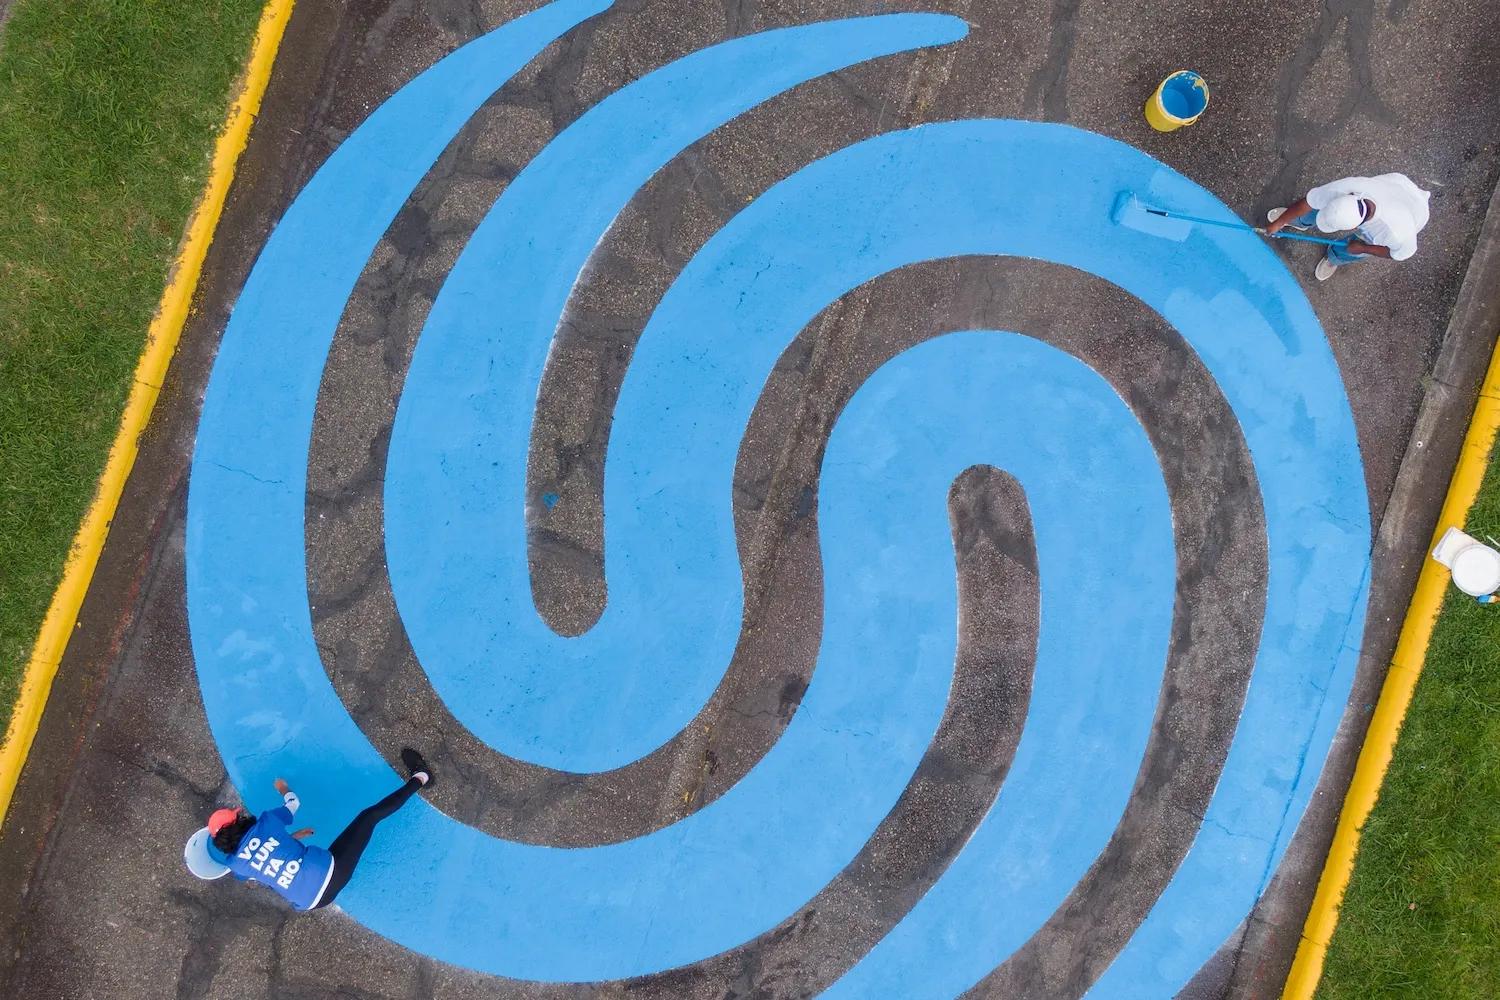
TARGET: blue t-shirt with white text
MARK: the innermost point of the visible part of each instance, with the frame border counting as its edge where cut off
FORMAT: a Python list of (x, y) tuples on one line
[(270, 855)]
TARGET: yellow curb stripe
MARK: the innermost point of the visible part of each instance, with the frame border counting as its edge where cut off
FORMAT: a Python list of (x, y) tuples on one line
[(150, 372), (1395, 697)]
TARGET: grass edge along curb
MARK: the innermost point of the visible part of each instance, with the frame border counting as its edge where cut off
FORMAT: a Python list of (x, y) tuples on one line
[(1395, 697), (150, 372)]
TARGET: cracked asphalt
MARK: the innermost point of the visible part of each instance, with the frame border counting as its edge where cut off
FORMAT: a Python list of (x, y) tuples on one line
[(95, 901)]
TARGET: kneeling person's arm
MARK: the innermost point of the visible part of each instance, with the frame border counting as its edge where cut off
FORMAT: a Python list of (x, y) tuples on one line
[(1356, 246)]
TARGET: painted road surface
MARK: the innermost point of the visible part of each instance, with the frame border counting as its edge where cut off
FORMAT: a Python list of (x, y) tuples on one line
[(456, 498), (930, 593)]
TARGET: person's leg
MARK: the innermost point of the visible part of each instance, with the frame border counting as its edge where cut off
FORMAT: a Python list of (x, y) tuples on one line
[(1336, 257), (348, 846), (1302, 222)]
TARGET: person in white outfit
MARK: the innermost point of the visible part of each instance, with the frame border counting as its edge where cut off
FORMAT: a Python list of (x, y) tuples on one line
[(1385, 213)]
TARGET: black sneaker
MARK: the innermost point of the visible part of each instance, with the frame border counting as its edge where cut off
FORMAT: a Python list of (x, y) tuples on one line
[(414, 762)]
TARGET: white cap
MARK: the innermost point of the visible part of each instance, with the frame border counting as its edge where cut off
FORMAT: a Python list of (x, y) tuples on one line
[(1343, 212), (199, 859)]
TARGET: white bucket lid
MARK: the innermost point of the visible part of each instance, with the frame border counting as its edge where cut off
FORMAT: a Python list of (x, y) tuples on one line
[(1476, 570)]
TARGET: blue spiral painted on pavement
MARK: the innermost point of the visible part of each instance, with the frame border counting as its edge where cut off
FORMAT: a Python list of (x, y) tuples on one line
[(456, 546)]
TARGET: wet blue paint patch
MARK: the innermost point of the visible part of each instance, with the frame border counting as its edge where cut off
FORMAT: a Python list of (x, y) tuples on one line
[(455, 529)]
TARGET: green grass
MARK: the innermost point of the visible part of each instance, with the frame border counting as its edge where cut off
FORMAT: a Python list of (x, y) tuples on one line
[(108, 113), (1422, 916)]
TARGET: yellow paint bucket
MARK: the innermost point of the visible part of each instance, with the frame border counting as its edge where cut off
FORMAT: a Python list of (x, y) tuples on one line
[(1178, 101)]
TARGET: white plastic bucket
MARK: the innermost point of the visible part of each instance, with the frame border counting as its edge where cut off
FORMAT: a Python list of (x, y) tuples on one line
[(1474, 565)]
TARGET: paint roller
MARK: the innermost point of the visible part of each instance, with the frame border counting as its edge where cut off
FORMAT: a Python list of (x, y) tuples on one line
[(1130, 212)]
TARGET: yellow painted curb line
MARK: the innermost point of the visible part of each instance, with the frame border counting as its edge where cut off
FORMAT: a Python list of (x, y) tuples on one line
[(1395, 696), (150, 372)]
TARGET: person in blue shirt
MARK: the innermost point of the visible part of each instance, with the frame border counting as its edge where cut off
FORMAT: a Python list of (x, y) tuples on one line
[(262, 849)]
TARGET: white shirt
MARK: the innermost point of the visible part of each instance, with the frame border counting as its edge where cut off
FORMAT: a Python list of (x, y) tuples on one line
[(1400, 209)]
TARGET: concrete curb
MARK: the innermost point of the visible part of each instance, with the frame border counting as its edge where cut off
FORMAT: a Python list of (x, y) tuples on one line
[(151, 369), (1475, 321)]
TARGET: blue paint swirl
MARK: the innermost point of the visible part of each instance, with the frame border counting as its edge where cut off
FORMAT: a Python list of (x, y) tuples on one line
[(459, 445), (455, 529)]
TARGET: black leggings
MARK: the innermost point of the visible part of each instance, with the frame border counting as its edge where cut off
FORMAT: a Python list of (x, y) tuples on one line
[(349, 845)]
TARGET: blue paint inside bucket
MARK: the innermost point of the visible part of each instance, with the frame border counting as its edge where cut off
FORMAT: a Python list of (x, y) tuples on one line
[(1184, 96)]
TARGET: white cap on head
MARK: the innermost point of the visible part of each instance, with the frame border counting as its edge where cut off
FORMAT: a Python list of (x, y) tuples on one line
[(1343, 212)]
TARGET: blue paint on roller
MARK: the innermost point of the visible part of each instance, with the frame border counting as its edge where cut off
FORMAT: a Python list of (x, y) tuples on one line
[(1184, 96), (1129, 212)]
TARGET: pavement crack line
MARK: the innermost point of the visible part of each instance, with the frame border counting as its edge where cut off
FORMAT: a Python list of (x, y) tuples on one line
[(247, 474)]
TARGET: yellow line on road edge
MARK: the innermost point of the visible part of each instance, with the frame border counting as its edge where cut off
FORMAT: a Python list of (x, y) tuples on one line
[(1395, 697), (150, 371)]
